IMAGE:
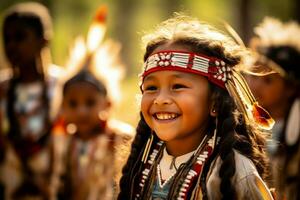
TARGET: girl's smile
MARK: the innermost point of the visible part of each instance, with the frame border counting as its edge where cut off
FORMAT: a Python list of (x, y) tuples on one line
[(176, 106), (164, 116)]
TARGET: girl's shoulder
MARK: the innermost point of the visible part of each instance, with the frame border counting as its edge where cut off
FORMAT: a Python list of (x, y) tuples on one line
[(246, 180), (244, 166)]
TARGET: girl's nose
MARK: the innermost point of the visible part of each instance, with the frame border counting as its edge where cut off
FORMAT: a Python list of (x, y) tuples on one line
[(163, 98), (82, 110)]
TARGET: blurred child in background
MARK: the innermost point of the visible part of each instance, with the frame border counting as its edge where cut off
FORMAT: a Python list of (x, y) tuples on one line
[(26, 120), (275, 83), (88, 164)]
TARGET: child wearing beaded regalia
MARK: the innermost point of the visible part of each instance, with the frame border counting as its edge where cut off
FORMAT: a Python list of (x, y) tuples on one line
[(197, 137), (26, 102), (277, 88), (89, 160)]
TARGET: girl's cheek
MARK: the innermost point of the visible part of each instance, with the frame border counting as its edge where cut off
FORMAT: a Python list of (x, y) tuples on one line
[(145, 102)]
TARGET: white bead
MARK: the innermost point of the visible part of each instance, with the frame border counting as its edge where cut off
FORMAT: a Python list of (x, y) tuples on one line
[(199, 162), (222, 63), (185, 185), (167, 63), (217, 63), (181, 194), (161, 63), (193, 172), (168, 57)]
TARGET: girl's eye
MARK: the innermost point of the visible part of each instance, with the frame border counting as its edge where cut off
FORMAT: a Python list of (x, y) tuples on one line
[(178, 86), (73, 103), (90, 102), (150, 88)]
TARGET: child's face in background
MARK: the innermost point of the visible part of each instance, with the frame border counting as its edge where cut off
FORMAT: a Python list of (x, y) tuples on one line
[(22, 45), (270, 91), (176, 105), (81, 105)]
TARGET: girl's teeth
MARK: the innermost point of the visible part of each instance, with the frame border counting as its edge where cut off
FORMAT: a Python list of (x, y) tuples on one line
[(163, 116)]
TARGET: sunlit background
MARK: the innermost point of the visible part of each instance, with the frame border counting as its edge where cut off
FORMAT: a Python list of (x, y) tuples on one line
[(128, 19)]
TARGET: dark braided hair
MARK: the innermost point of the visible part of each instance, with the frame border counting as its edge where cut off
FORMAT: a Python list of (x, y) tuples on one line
[(235, 134), (143, 132)]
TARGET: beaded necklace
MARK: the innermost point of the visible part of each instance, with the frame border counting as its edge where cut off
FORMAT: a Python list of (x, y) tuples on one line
[(168, 166), (203, 152)]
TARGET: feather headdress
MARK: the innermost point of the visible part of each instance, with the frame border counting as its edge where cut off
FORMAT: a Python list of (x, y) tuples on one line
[(99, 56), (277, 48)]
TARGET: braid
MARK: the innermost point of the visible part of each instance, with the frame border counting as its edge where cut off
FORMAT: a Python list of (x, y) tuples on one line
[(252, 142), (142, 133), (226, 130), (227, 156), (236, 134)]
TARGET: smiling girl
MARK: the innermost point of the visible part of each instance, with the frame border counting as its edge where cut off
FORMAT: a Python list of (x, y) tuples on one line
[(196, 137)]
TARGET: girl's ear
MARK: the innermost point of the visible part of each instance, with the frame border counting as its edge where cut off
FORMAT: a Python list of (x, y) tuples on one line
[(213, 112), (108, 104)]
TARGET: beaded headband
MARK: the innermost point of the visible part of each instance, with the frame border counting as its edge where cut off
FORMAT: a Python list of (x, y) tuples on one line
[(214, 69), (217, 72)]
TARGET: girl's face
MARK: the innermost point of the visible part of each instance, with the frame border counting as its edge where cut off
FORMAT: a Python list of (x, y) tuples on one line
[(21, 43), (176, 105), (82, 105)]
